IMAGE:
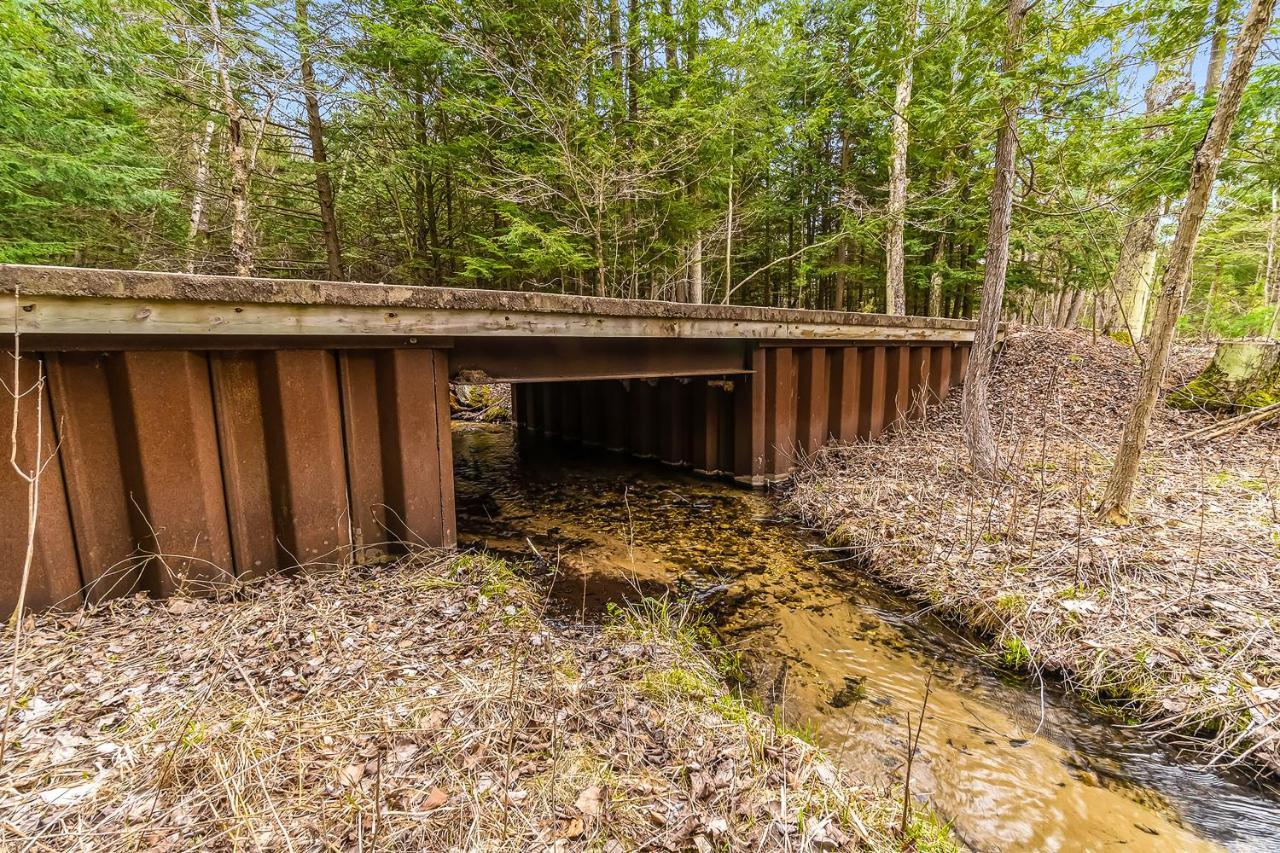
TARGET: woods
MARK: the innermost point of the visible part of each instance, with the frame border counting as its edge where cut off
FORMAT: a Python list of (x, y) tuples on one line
[(832, 154), (443, 553)]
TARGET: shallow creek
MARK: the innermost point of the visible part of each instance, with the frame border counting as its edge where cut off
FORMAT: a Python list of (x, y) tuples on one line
[(1013, 764)]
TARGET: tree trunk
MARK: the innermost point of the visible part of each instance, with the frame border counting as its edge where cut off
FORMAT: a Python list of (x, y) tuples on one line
[(842, 245), (634, 10), (601, 269), (1061, 306), (315, 130), (1270, 284), (1118, 495), (975, 408), (1134, 271), (935, 275), (895, 294), (728, 236), (616, 50), (695, 270), (669, 39), (1243, 375), (1077, 308), (1209, 300), (1136, 268), (200, 149), (422, 242), (241, 245), (1217, 46)]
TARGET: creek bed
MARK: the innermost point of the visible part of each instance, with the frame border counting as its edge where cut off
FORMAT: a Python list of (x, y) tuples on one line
[(1014, 763)]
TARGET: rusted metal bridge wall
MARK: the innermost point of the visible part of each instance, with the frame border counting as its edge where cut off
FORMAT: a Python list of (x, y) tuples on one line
[(162, 469), (192, 430), (751, 426)]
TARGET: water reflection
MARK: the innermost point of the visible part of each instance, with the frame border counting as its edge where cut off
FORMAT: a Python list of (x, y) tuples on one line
[(1015, 765)]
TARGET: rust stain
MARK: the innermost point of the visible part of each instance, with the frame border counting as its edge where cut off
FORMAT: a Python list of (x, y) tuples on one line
[(96, 495), (54, 578), (176, 468)]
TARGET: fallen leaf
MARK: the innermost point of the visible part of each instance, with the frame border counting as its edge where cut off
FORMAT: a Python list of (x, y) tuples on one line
[(181, 606), (574, 828), (437, 798), (588, 801), (351, 774), (68, 796)]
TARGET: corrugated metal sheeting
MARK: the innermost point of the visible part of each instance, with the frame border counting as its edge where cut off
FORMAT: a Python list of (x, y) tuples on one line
[(163, 469)]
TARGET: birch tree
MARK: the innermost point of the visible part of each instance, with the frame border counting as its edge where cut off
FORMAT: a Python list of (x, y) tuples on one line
[(895, 262), (1118, 495), (237, 157)]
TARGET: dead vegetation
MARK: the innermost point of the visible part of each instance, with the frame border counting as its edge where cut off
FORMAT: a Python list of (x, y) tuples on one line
[(425, 705), (1173, 617), (480, 403)]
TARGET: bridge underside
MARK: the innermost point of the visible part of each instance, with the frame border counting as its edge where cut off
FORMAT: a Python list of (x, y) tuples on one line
[(191, 431), (753, 426)]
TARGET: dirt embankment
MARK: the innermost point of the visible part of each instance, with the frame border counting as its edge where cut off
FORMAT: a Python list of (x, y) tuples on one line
[(1174, 617), (427, 705)]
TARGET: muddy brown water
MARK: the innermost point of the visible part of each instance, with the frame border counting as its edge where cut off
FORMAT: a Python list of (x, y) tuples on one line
[(1013, 764)]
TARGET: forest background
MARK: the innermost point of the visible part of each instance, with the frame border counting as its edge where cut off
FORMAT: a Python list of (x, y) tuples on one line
[(799, 153)]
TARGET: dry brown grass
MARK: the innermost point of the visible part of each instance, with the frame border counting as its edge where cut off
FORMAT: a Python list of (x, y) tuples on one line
[(1174, 617), (425, 705)]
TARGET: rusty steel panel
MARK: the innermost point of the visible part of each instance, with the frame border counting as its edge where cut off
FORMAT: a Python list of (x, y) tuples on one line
[(673, 424), (591, 397), (616, 415), (780, 410), (242, 435), (173, 468), (898, 383), (362, 431), (89, 446), (549, 408), (846, 380), (813, 398), (939, 373), (308, 480), (444, 449), (872, 396), (959, 365), (570, 410), (417, 465), (54, 576), (704, 443), (919, 378), (722, 398), (749, 449), (642, 400), (530, 405)]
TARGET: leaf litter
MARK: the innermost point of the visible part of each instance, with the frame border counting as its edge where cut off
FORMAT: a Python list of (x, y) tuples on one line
[(425, 704), (1173, 618)]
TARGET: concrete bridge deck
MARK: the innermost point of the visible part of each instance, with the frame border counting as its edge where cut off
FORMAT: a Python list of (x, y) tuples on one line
[(202, 428)]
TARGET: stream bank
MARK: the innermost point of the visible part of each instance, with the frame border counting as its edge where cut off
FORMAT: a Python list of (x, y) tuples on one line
[(1173, 619), (1013, 764), (422, 705)]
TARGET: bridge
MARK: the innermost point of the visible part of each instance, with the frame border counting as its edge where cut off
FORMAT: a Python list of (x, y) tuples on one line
[(191, 429)]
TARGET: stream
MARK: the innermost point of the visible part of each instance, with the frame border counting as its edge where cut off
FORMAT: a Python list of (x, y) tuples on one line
[(1014, 764)]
